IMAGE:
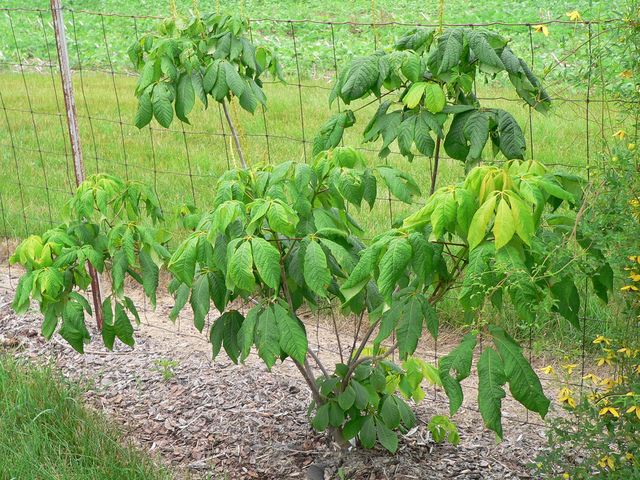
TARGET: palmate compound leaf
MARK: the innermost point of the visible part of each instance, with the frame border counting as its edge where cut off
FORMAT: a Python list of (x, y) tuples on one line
[(491, 378), (524, 384), (460, 361), (293, 337), (392, 266)]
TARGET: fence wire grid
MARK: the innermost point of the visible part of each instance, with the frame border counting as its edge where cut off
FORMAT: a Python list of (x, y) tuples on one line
[(183, 162)]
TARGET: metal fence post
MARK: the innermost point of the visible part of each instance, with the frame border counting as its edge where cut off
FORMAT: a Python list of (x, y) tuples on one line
[(74, 135)]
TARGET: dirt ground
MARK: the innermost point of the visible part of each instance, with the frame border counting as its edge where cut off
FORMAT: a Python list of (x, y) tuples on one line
[(213, 418)]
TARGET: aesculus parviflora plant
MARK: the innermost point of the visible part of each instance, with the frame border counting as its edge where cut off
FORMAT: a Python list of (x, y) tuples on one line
[(281, 236)]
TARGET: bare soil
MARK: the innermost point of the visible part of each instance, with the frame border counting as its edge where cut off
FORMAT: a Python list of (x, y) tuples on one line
[(213, 418)]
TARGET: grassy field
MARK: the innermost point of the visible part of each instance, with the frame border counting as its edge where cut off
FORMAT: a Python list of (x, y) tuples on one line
[(46, 431), (184, 162)]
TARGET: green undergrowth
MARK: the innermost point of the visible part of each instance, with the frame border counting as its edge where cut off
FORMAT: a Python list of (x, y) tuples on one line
[(48, 432)]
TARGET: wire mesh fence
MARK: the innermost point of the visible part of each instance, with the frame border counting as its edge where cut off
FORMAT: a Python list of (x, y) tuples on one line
[(183, 162)]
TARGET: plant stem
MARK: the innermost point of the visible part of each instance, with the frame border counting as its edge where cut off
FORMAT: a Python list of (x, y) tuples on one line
[(234, 134), (436, 161)]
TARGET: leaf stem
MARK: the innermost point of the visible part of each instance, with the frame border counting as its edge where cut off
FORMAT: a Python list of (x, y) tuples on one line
[(234, 134)]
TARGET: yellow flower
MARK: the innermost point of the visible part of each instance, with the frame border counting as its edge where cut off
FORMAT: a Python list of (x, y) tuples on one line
[(568, 399), (541, 28), (548, 370), (574, 16), (628, 352), (620, 134), (592, 377), (606, 461), (609, 382), (637, 367), (601, 339), (635, 408), (569, 368), (627, 288), (602, 361), (610, 410), (626, 74), (629, 456)]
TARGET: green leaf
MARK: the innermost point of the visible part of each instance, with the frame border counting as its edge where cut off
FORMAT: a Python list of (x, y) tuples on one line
[(293, 337), (478, 277), (352, 427), (181, 298), (368, 432), (122, 326), (282, 218), (233, 78), (332, 130), (336, 415), (267, 260), (183, 261), (347, 398), (511, 139), (422, 138), (362, 76), (321, 421), (414, 95), (248, 100), (392, 266), (523, 219), (50, 323), (316, 274), (406, 414), (388, 438), (491, 378), (389, 321), (185, 97), (568, 300), (361, 274), (128, 246), (390, 412), (443, 214), (118, 270), (267, 337), (434, 98), (144, 114), (504, 225), (524, 384), (240, 269), (232, 324), (489, 60), (476, 131), (422, 259), (405, 136), (479, 222), (216, 334), (21, 301), (460, 361), (162, 108), (455, 143), (210, 76), (449, 49), (410, 329), (150, 276), (200, 301), (247, 331)]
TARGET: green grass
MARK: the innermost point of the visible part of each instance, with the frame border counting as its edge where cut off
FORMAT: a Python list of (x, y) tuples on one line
[(47, 432), (37, 178)]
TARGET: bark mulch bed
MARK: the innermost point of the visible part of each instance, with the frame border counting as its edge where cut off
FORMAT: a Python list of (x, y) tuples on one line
[(216, 418)]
